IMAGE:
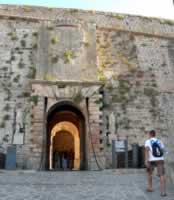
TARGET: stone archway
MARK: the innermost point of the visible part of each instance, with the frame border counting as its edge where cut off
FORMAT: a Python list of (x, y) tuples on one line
[(72, 129), (58, 102), (66, 117)]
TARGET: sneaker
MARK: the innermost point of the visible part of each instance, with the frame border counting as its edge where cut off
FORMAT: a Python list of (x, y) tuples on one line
[(163, 194)]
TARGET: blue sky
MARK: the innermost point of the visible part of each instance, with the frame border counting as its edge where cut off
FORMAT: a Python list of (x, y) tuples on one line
[(155, 8)]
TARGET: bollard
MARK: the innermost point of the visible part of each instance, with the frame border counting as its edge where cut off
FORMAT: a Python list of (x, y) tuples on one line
[(10, 163), (135, 148)]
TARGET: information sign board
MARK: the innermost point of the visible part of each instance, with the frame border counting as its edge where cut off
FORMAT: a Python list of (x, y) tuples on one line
[(119, 145)]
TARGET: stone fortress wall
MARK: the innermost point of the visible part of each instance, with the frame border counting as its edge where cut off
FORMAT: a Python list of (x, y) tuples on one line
[(133, 56)]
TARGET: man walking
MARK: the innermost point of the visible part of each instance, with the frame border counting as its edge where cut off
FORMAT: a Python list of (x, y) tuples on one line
[(56, 160), (154, 149)]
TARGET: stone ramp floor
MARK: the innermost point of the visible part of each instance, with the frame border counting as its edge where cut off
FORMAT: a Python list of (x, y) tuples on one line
[(84, 185)]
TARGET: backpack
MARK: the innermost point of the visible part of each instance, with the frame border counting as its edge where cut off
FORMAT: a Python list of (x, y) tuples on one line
[(157, 151)]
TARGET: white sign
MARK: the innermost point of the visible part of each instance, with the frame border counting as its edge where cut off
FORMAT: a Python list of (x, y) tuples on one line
[(119, 145)]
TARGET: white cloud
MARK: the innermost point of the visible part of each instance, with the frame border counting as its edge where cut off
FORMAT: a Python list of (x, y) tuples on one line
[(156, 8)]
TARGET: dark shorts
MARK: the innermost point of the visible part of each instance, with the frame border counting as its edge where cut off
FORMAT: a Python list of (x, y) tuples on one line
[(160, 167)]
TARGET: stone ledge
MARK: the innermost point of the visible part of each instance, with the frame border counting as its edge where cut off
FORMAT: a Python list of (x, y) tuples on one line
[(80, 83), (16, 172), (39, 14)]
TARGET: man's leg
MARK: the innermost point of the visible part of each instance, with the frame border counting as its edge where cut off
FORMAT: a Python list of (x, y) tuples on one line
[(149, 177), (149, 182), (161, 172), (163, 184)]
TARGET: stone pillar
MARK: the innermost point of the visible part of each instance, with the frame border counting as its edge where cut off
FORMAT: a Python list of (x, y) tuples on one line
[(35, 140), (96, 150)]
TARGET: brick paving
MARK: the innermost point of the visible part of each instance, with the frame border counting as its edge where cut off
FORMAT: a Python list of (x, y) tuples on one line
[(84, 185)]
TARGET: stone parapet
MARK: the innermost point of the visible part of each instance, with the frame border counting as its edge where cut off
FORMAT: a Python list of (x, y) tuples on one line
[(139, 24)]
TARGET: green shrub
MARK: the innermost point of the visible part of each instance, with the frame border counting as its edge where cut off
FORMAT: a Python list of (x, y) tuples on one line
[(68, 56), (54, 40)]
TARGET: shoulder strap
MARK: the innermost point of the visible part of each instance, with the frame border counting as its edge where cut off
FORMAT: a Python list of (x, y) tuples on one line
[(152, 142)]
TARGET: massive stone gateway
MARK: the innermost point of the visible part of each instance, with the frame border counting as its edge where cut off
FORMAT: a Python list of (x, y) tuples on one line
[(70, 107), (104, 75)]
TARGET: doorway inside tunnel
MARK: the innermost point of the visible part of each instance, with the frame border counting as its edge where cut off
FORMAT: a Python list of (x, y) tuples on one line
[(66, 138)]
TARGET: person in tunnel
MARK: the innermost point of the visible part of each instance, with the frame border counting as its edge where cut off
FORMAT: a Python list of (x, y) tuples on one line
[(56, 160), (71, 159), (64, 161)]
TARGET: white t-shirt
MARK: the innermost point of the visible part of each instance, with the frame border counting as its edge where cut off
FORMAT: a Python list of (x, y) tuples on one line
[(148, 144)]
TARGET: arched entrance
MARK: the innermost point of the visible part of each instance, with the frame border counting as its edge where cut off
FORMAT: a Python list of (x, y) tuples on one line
[(66, 147)]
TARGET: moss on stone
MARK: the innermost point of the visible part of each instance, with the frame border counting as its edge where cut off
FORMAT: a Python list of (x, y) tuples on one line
[(101, 76), (2, 125), (78, 97), (109, 86), (154, 85), (50, 28), (61, 85), (27, 9), (5, 138), (26, 94), (140, 74), (13, 35), (25, 35), (48, 77), (144, 45), (6, 117), (34, 46), (16, 79), (50, 9), (23, 43), (73, 10), (116, 98), (166, 21), (92, 11), (68, 56), (150, 92), (55, 40), (124, 86), (12, 58), (21, 65), (54, 59), (35, 34), (118, 16), (20, 52), (32, 73), (5, 69), (125, 60), (7, 107), (34, 99)]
